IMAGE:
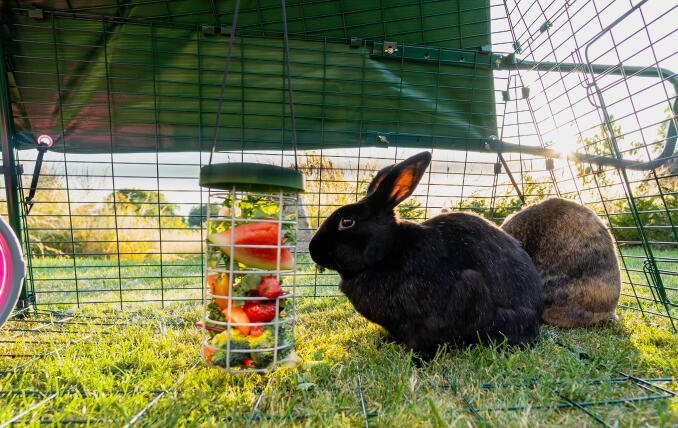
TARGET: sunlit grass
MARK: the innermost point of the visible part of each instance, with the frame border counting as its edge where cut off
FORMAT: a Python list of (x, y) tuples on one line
[(109, 369)]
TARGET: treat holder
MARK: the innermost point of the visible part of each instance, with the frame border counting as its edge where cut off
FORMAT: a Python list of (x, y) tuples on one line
[(250, 263)]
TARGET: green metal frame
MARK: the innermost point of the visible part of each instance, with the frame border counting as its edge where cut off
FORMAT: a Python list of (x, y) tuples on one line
[(480, 59), (9, 165), (352, 167)]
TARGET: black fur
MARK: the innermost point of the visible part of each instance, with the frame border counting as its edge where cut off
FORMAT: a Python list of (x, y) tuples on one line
[(455, 278)]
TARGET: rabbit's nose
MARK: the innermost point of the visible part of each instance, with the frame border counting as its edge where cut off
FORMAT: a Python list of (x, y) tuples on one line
[(319, 253)]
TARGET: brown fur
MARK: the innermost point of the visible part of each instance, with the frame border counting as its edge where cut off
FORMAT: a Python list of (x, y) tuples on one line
[(576, 259)]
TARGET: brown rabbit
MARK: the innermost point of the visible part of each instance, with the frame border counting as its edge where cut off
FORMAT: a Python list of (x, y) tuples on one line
[(576, 259)]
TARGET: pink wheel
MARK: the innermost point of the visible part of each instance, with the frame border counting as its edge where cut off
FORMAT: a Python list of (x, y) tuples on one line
[(12, 270)]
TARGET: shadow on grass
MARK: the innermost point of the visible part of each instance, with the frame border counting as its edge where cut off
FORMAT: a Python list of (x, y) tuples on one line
[(577, 376)]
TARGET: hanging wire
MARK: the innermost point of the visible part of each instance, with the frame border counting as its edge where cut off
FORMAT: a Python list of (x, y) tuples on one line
[(223, 79), (289, 83)]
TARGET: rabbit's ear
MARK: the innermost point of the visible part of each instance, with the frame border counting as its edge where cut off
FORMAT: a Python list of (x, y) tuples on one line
[(398, 181), (379, 178)]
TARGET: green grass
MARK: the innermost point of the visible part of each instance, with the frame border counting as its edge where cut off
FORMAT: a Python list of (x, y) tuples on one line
[(59, 282), (109, 373), (108, 370)]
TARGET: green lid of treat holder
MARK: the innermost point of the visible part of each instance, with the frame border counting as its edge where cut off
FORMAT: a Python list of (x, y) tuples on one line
[(251, 176)]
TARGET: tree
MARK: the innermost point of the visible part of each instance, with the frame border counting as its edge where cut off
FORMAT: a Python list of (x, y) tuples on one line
[(143, 202), (198, 214), (143, 206)]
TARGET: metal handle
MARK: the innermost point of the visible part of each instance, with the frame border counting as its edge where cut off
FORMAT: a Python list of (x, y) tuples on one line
[(671, 135), (598, 69), (44, 142)]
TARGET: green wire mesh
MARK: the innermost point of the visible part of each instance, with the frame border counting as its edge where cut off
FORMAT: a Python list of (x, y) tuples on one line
[(129, 90), (129, 93), (34, 339)]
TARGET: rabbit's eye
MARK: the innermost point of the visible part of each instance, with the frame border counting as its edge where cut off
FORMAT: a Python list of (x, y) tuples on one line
[(346, 223)]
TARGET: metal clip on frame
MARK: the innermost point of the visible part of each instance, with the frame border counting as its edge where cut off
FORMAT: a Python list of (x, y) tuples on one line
[(44, 143)]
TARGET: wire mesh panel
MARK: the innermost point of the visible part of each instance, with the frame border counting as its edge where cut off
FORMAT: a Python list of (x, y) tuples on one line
[(125, 227), (624, 109), (116, 230), (76, 368), (495, 90), (517, 101)]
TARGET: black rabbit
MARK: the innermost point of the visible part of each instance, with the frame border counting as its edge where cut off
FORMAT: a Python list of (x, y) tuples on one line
[(455, 278)]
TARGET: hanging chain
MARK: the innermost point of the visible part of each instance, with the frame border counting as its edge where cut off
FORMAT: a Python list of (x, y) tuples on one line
[(225, 76)]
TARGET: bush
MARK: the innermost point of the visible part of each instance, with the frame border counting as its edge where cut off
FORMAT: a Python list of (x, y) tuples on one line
[(145, 228), (506, 204), (656, 216)]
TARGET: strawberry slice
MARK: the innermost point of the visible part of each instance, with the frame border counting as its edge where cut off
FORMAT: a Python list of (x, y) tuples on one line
[(260, 312), (269, 287)]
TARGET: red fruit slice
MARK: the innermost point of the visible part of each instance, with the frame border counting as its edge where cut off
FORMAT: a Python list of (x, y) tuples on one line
[(260, 312), (269, 287), (256, 331), (254, 234)]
